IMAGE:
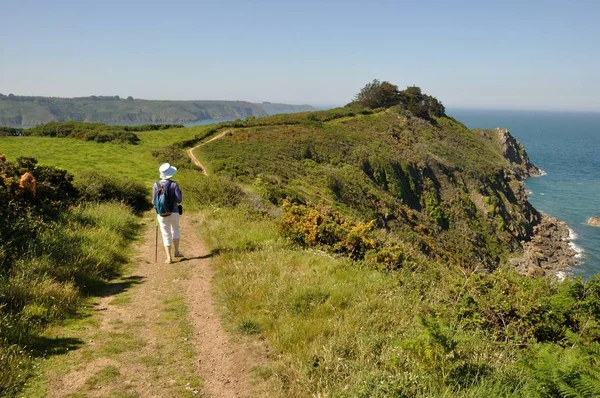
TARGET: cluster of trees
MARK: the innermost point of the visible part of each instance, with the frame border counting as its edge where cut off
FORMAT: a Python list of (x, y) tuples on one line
[(384, 94), (10, 131)]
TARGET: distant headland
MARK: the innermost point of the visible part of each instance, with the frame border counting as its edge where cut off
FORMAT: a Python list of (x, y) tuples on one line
[(19, 111)]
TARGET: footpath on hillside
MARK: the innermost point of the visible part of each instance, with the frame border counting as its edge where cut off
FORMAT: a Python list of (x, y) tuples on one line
[(153, 333), (193, 157)]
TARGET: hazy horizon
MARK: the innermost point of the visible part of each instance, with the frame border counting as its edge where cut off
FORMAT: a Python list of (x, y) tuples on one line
[(328, 106)]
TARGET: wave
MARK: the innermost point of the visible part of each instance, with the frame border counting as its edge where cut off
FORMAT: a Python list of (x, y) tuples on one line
[(562, 275), (572, 237), (541, 174)]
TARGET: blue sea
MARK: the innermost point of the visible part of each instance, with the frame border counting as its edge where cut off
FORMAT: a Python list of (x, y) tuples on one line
[(566, 145)]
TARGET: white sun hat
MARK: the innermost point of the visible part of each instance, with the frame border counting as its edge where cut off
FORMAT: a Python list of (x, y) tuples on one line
[(167, 171)]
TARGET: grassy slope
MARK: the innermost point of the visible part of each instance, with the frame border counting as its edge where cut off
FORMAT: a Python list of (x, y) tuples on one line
[(76, 156), (343, 328), (384, 167), (430, 328)]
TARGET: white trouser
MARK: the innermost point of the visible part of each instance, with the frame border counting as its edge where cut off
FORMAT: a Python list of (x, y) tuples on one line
[(169, 227)]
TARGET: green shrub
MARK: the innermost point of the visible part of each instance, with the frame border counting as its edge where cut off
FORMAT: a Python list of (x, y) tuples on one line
[(97, 132), (213, 191), (174, 155), (50, 255), (95, 187)]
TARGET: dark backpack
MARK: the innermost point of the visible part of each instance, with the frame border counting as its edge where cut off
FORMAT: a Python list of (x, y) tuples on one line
[(161, 199)]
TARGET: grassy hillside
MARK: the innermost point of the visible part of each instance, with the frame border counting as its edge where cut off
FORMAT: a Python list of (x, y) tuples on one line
[(438, 183), (272, 108), (367, 249), (29, 111), (379, 267)]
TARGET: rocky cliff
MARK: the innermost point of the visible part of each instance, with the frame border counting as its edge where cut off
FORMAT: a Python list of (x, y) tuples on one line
[(546, 249), (512, 150)]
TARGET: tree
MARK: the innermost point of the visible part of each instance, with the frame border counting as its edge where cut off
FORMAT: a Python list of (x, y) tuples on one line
[(421, 105), (130, 98), (378, 94)]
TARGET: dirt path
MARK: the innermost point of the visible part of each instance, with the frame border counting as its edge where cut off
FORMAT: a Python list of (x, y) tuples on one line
[(195, 160), (224, 366), (156, 333)]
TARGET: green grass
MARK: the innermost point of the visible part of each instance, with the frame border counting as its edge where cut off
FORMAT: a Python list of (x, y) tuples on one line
[(103, 376), (120, 161), (47, 284), (340, 328), (344, 328)]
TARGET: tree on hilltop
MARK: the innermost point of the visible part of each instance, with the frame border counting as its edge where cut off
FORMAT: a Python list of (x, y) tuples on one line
[(419, 104), (378, 94)]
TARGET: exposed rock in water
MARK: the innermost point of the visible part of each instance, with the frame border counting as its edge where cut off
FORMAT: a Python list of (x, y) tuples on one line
[(594, 221), (548, 251), (512, 150)]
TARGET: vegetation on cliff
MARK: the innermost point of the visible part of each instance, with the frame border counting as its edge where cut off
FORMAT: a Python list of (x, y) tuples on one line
[(402, 285), (378, 94)]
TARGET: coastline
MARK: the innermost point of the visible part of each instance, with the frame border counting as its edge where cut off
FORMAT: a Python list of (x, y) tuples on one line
[(551, 251)]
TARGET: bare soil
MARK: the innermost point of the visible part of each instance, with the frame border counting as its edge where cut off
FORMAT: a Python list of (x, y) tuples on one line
[(139, 339), (195, 160)]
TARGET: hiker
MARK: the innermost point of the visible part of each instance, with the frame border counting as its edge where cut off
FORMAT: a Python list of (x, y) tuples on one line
[(169, 220)]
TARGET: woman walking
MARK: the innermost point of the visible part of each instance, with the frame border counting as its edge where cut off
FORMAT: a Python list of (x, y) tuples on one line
[(168, 217)]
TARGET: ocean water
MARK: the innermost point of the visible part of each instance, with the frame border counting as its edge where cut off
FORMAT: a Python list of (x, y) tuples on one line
[(566, 145)]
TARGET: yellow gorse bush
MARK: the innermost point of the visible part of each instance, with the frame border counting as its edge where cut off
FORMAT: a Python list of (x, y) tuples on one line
[(319, 225)]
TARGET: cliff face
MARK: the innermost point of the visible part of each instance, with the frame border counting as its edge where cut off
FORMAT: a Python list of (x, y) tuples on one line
[(512, 150), (546, 247), (30, 111)]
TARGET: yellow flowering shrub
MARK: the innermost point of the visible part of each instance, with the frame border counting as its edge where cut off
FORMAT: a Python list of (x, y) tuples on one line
[(319, 225)]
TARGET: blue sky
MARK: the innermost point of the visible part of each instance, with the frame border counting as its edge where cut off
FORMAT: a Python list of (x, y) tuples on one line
[(540, 54)]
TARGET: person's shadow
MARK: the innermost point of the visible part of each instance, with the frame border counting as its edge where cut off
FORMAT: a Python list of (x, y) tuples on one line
[(202, 257)]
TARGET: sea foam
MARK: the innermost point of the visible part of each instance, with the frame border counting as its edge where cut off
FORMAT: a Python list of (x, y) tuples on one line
[(572, 237)]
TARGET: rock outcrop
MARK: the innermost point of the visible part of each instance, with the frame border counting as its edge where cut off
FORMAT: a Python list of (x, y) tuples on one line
[(513, 151), (549, 250), (594, 221)]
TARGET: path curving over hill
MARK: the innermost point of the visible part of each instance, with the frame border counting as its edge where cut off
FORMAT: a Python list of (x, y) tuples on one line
[(193, 157)]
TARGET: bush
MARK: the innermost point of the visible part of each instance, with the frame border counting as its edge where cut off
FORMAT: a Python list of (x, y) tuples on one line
[(10, 131), (95, 187), (97, 132), (378, 94), (314, 225), (29, 213), (173, 155), (214, 191)]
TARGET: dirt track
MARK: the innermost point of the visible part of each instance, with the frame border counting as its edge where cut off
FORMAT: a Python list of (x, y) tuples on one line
[(157, 332), (195, 160)]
